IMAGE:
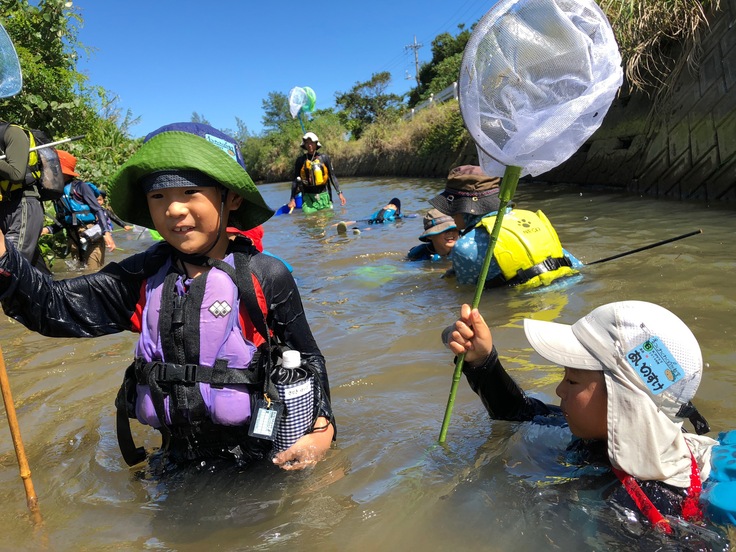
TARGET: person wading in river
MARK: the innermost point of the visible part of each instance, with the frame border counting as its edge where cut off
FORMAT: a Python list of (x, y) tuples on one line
[(631, 371), (528, 251), (439, 237), (314, 177), (212, 312)]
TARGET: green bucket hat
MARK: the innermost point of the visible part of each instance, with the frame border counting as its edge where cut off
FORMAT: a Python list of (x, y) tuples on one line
[(186, 147)]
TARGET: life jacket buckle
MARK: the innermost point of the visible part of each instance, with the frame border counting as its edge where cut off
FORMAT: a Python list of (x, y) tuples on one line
[(166, 372)]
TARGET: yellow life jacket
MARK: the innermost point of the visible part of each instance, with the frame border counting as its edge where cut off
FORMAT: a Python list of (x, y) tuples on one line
[(314, 172), (528, 251), (33, 172)]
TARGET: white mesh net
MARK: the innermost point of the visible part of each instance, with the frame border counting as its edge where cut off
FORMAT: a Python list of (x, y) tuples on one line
[(536, 80), (11, 80), (301, 99), (297, 99)]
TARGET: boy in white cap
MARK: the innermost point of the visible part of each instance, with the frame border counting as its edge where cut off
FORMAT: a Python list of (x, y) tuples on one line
[(212, 313), (631, 370), (314, 177)]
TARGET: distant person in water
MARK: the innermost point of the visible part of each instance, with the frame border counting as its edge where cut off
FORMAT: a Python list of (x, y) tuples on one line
[(439, 237), (528, 251), (388, 213), (314, 177)]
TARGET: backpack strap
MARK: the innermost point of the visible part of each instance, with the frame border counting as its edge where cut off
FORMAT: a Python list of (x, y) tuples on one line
[(124, 406)]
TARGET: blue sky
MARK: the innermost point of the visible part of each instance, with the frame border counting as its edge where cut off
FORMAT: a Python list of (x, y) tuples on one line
[(165, 59)]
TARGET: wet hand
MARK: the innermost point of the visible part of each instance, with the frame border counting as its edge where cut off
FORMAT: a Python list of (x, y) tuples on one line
[(343, 201), (291, 204), (309, 449), (109, 242), (471, 336)]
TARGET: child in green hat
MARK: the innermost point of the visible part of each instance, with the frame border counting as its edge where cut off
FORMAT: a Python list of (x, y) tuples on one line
[(213, 313)]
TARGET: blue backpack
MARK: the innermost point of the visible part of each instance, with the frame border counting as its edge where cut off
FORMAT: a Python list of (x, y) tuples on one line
[(71, 208)]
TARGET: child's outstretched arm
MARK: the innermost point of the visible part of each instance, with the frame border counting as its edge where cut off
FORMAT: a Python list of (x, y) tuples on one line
[(471, 336), (88, 305)]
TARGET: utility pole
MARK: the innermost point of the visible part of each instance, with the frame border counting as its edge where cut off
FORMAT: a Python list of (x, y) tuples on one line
[(415, 47)]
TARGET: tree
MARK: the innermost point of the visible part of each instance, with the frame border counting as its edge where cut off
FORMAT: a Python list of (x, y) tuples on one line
[(197, 118), (55, 96), (276, 115), (366, 102)]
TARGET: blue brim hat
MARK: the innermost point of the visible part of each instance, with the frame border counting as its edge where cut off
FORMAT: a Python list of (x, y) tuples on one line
[(187, 147), (435, 223)]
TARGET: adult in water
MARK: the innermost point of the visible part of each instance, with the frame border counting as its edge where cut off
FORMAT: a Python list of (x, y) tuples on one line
[(212, 313), (528, 251), (314, 177), (21, 209)]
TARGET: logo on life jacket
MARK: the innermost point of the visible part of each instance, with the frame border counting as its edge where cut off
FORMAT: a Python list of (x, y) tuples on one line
[(220, 309)]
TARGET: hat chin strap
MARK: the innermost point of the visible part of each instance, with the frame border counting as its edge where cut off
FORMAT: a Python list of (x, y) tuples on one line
[(201, 259)]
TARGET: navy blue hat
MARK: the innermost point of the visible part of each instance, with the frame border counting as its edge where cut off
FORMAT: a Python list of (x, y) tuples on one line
[(211, 134)]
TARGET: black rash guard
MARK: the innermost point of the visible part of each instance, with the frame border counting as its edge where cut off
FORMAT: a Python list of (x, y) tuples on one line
[(105, 302), (300, 186), (505, 400)]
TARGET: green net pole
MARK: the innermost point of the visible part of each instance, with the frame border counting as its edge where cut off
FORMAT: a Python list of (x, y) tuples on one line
[(508, 188)]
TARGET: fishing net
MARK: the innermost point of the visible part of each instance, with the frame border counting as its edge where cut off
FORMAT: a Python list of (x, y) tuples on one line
[(536, 80), (10, 75), (301, 99)]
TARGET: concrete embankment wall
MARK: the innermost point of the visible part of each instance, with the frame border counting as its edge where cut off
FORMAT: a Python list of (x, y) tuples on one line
[(684, 150)]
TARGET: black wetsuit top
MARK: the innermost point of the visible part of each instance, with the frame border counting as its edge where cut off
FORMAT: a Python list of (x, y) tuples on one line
[(505, 400), (306, 187), (105, 302)]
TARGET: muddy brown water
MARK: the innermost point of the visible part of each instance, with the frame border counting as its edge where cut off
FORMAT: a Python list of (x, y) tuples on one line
[(377, 318)]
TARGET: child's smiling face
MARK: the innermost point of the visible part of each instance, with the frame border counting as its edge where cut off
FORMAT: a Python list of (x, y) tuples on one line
[(444, 242), (189, 218)]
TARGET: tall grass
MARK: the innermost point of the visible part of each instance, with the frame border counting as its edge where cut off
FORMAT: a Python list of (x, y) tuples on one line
[(658, 38)]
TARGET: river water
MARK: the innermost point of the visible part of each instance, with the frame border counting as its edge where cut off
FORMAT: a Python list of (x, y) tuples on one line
[(386, 484)]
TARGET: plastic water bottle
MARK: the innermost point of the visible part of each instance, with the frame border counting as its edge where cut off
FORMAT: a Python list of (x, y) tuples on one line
[(295, 388)]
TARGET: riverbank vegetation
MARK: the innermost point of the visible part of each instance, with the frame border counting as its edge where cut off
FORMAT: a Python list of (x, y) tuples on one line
[(658, 38), (365, 126)]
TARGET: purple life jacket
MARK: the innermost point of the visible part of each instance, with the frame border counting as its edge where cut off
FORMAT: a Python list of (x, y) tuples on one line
[(203, 330)]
